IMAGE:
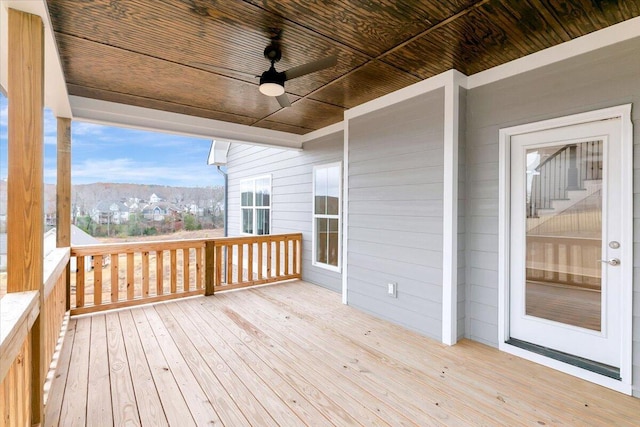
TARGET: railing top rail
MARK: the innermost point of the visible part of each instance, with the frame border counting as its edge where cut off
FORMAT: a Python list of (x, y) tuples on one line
[(19, 311), (130, 247), (158, 245), (54, 265), (554, 155), (262, 238)]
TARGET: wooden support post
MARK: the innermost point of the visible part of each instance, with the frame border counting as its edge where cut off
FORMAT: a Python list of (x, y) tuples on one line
[(63, 195), (209, 267), (25, 193)]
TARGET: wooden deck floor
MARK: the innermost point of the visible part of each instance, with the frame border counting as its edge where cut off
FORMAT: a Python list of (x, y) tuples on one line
[(292, 354)]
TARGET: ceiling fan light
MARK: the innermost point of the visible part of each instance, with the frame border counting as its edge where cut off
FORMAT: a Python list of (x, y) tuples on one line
[(272, 89)]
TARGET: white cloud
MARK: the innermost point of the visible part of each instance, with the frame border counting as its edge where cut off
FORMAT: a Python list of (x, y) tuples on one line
[(84, 128), (4, 115)]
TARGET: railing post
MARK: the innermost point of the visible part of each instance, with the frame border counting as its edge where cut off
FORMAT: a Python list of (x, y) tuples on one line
[(63, 195), (210, 267)]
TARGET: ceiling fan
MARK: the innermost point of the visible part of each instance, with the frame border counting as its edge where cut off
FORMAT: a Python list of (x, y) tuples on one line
[(272, 81)]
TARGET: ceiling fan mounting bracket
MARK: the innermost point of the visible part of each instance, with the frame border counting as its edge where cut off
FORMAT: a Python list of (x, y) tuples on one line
[(272, 52)]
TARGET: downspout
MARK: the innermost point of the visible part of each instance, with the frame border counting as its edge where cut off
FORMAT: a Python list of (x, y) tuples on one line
[(226, 199)]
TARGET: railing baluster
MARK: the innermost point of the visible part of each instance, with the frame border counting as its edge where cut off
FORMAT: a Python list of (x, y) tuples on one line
[(219, 262), (240, 263), (80, 281), (145, 274), (186, 277), (250, 247), (114, 285), (296, 256), (286, 257), (229, 268), (198, 268), (130, 276), (278, 250), (97, 280), (269, 261), (260, 261), (159, 272), (174, 272)]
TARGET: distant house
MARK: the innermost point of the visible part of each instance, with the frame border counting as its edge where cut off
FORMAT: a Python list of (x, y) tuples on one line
[(154, 199), (159, 211), (106, 212), (194, 209)]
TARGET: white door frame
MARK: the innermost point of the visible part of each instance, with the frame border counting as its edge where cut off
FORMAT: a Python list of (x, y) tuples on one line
[(624, 112)]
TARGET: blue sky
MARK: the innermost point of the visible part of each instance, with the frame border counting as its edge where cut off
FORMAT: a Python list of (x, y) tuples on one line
[(111, 154)]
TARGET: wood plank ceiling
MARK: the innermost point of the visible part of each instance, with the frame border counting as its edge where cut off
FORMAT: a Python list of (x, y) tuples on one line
[(200, 57)]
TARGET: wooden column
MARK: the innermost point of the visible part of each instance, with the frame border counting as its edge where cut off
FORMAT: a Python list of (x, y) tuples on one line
[(25, 200), (63, 188), (63, 195)]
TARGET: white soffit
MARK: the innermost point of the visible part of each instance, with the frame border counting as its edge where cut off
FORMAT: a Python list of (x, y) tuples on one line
[(55, 97), (111, 113)]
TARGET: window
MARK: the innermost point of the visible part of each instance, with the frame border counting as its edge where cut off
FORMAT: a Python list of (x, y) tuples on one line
[(255, 204), (327, 181)]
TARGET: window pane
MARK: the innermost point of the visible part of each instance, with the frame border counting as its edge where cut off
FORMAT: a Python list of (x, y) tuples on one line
[(321, 191), (332, 243), (563, 245), (321, 240), (247, 221), (246, 189), (263, 192), (262, 221), (333, 190)]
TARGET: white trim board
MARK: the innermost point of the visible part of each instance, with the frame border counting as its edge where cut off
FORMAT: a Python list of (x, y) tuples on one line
[(450, 210), (345, 213), (314, 216), (623, 112)]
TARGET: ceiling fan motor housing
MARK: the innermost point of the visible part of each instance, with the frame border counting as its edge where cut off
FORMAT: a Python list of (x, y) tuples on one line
[(272, 76)]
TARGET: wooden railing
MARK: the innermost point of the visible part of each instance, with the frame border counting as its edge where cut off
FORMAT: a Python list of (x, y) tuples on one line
[(29, 331), (564, 170), (248, 261), (570, 261), (122, 275), (54, 307), (143, 272)]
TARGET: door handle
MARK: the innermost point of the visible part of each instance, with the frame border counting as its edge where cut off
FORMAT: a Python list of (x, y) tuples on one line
[(612, 261)]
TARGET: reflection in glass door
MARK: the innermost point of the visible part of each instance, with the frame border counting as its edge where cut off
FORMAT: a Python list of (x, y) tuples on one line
[(564, 233)]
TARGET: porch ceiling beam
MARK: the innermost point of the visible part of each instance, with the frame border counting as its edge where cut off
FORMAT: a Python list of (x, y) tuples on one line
[(111, 113)]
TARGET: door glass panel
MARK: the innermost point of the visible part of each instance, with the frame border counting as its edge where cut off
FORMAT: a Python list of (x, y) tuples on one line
[(564, 233)]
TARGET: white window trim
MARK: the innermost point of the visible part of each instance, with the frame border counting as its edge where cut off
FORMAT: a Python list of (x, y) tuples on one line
[(315, 263), (624, 112), (253, 179)]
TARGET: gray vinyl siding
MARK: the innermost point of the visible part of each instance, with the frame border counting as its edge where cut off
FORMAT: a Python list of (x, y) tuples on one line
[(603, 78), (291, 192), (395, 212)]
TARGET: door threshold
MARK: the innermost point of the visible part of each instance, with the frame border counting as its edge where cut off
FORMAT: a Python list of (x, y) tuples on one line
[(579, 362)]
